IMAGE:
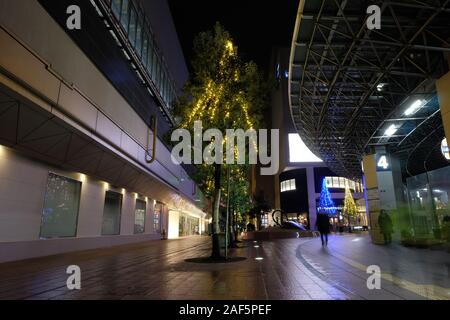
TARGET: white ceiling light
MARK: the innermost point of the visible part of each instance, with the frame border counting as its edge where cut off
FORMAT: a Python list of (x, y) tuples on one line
[(391, 130), (418, 104)]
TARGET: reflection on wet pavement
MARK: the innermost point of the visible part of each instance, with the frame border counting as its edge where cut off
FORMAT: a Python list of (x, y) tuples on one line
[(297, 269)]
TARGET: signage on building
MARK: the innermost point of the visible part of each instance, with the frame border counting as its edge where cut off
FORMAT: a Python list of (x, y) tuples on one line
[(383, 162), (444, 149)]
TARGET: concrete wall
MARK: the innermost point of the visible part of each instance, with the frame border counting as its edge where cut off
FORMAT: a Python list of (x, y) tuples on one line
[(85, 94), (51, 73), (22, 189)]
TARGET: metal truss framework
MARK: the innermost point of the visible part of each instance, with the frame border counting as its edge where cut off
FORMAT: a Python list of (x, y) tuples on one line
[(347, 83)]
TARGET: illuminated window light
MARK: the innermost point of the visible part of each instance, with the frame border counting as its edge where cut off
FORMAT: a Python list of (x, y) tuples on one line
[(288, 185), (256, 246), (416, 106), (299, 152), (391, 130), (259, 258)]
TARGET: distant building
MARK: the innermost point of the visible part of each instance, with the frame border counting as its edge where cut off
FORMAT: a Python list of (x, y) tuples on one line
[(296, 188)]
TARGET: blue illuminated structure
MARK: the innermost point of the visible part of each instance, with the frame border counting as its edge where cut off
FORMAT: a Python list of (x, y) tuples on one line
[(326, 204)]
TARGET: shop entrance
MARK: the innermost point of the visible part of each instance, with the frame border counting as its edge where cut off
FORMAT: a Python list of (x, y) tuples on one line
[(189, 226)]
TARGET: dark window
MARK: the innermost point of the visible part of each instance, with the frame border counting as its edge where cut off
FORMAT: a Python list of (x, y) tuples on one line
[(124, 15), (61, 204), (112, 213), (133, 26), (139, 216), (115, 7)]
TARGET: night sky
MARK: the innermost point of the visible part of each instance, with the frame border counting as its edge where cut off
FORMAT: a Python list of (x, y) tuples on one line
[(256, 26)]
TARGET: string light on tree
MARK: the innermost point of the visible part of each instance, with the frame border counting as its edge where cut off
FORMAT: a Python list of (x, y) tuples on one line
[(326, 204)]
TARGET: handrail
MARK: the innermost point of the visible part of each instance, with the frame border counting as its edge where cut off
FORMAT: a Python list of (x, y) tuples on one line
[(155, 131)]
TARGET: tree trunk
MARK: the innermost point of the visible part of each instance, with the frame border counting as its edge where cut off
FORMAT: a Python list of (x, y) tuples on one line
[(216, 213)]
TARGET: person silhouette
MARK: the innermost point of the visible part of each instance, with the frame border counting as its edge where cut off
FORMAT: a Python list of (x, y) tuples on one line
[(323, 225)]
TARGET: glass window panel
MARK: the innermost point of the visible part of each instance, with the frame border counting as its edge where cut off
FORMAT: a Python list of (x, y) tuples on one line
[(145, 50), (293, 186), (157, 73), (163, 86), (112, 213), (352, 185), (115, 7), (329, 182), (139, 216), (139, 36), (335, 182), (133, 26), (342, 182), (124, 15), (150, 58), (154, 66), (157, 218), (61, 204)]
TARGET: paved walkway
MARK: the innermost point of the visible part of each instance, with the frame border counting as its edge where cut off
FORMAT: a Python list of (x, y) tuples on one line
[(290, 269)]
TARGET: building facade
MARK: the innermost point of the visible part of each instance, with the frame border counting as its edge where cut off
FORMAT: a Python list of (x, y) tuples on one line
[(83, 113), (297, 187)]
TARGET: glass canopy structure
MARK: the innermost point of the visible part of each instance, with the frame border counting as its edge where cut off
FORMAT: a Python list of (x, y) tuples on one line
[(352, 89)]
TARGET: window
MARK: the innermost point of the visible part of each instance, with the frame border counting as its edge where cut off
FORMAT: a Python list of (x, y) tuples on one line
[(112, 213), (133, 21), (342, 183), (115, 6), (139, 216), (157, 71), (288, 185), (265, 220), (133, 26), (124, 18), (61, 205), (139, 36), (157, 217), (145, 50), (150, 57)]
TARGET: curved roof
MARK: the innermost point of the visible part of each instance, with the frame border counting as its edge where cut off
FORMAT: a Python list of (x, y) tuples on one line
[(351, 89)]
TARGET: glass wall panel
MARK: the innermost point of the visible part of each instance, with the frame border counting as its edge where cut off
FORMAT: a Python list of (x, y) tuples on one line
[(188, 226), (132, 27), (138, 46), (150, 57), (112, 213), (115, 7), (139, 216), (61, 204), (124, 15), (157, 217), (145, 50), (429, 206)]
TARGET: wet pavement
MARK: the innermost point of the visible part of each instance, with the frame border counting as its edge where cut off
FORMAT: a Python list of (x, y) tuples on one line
[(288, 269)]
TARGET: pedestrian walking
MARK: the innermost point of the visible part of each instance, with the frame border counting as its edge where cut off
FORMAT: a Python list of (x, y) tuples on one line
[(323, 225), (386, 227)]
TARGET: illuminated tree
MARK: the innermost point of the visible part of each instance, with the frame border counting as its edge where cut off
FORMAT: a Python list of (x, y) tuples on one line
[(326, 204), (224, 93), (350, 210)]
